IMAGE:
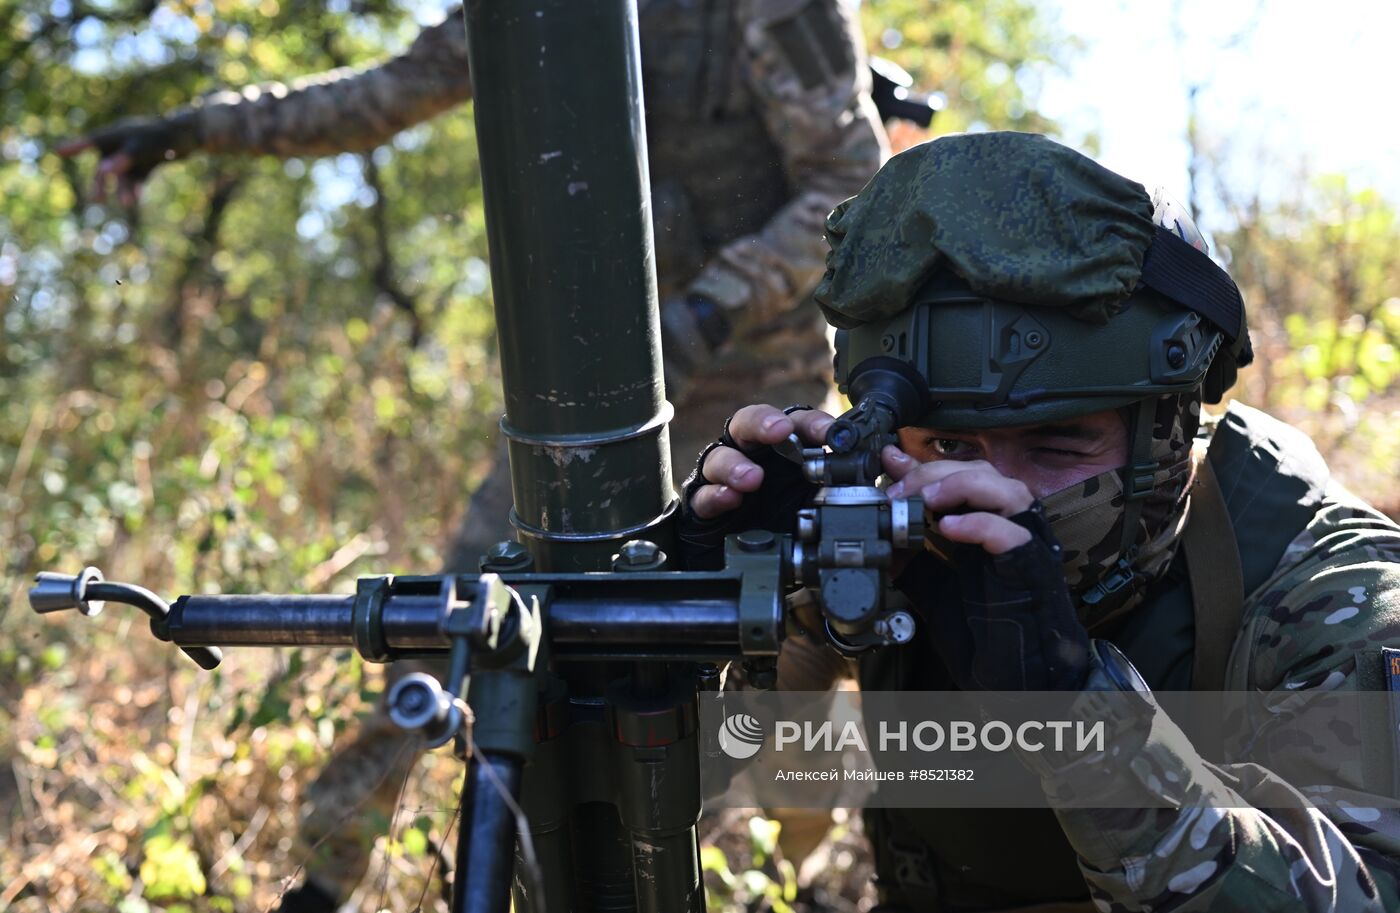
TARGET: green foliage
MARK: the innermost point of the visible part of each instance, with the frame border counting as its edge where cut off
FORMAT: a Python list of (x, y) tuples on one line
[(171, 869), (766, 883), (987, 58), (1321, 275), (415, 838), (212, 391), (215, 390)]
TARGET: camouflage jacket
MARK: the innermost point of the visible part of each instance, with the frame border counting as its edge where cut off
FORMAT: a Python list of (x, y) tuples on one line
[(816, 112), (1225, 837), (1322, 581)]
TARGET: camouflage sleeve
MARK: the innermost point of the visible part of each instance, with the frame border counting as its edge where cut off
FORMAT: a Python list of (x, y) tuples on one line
[(343, 109), (805, 62), (1238, 837)]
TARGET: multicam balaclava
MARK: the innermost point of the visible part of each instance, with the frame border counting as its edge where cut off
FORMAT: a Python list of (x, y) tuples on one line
[(1087, 518)]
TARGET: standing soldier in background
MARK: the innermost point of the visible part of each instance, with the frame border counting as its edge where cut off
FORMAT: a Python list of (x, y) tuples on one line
[(759, 121)]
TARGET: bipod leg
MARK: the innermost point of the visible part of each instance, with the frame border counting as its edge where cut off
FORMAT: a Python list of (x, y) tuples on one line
[(486, 834)]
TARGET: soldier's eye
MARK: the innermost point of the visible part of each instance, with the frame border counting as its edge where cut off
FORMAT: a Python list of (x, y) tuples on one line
[(949, 446)]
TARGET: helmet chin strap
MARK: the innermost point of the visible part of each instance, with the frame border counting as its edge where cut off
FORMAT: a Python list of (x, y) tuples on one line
[(1119, 582)]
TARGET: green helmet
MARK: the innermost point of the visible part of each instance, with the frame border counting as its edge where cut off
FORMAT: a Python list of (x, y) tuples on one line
[(1025, 284), (1002, 279)]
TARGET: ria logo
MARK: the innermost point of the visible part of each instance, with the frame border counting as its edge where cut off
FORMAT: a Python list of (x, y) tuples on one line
[(740, 736)]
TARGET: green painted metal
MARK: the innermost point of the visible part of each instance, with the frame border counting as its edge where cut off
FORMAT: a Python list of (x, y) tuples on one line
[(568, 216)]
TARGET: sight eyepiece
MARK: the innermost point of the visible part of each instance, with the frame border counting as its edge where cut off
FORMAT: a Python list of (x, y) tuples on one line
[(888, 393)]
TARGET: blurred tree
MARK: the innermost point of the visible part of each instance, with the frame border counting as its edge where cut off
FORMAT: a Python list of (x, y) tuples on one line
[(988, 58), (216, 390), (181, 371), (1320, 270)]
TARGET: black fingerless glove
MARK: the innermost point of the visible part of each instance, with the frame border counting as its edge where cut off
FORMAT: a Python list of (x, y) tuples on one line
[(773, 507), (1002, 622)]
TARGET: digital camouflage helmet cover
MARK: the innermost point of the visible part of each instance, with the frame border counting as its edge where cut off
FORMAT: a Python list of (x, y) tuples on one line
[(1022, 279), (1025, 283)]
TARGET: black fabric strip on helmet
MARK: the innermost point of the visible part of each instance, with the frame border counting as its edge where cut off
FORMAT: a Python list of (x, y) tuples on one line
[(1190, 277)]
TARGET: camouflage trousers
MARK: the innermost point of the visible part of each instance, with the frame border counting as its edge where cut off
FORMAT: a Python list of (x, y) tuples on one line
[(353, 801)]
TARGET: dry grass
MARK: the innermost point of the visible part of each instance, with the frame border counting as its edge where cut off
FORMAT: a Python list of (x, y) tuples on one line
[(129, 777)]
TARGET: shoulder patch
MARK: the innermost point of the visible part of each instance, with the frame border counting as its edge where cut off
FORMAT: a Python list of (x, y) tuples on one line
[(1390, 669), (1390, 657)]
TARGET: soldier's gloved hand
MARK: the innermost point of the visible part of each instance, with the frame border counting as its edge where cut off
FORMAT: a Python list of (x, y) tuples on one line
[(740, 482), (130, 150), (1000, 614), (693, 330)]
